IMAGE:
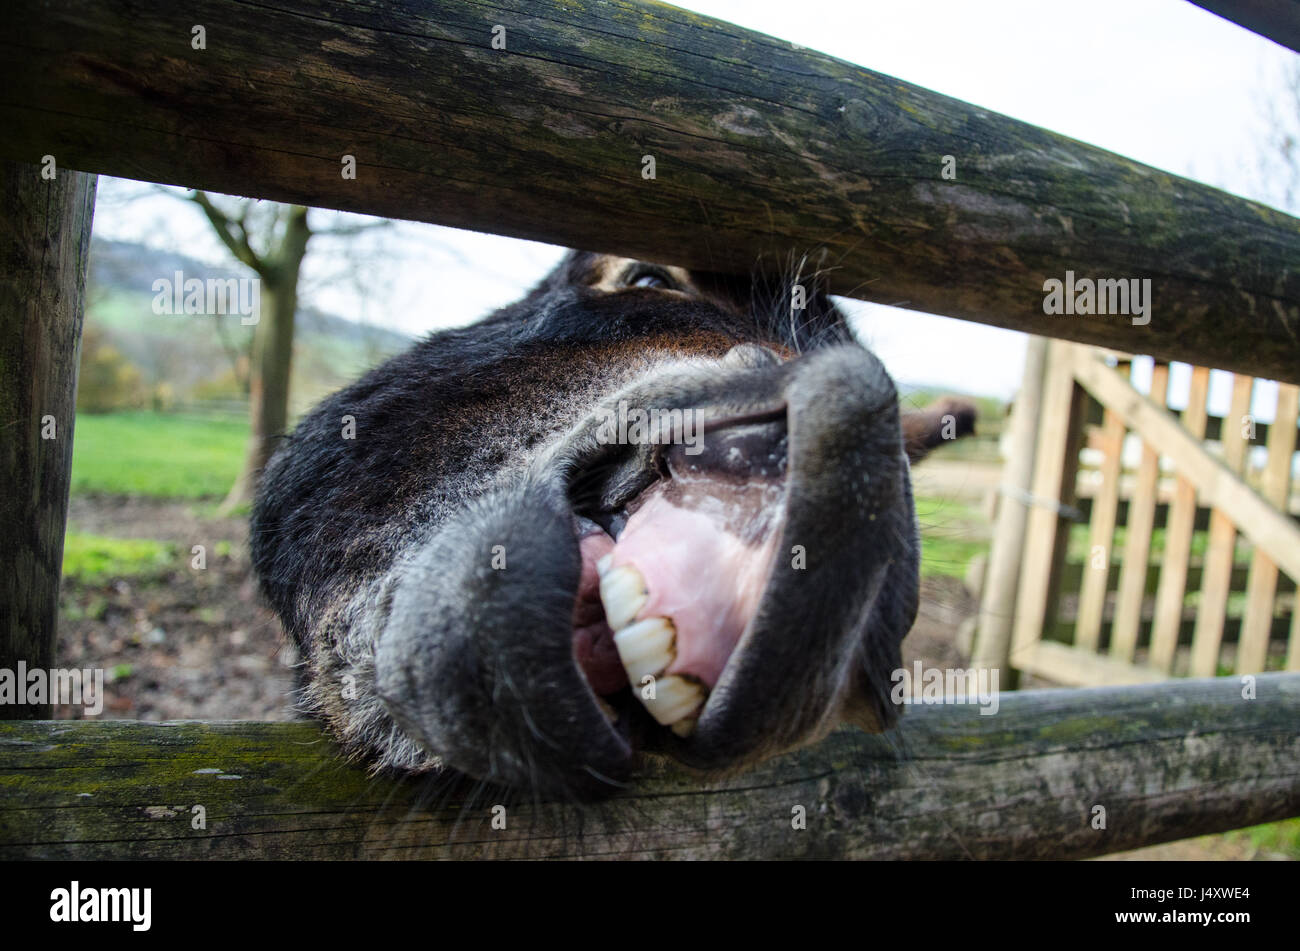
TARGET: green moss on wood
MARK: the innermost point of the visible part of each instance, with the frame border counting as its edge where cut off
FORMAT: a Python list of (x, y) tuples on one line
[(542, 140), (1173, 760)]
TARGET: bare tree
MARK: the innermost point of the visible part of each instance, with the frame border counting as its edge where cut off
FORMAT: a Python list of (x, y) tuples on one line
[(237, 354), (278, 263), (272, 241), (1280, 158)]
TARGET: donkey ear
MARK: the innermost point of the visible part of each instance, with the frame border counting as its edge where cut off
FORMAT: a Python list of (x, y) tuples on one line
[(942, 421)]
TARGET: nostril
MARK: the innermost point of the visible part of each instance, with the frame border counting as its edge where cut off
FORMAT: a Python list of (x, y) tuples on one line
[(751, 356), (740, 451)]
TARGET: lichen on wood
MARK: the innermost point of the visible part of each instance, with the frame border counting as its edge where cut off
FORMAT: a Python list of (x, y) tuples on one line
[(762, 149), (1160, 762)]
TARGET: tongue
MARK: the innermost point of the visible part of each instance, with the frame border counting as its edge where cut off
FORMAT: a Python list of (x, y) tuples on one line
[(704, 548), (703, 540)]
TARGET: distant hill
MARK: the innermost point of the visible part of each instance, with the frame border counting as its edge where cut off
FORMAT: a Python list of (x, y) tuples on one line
[(191, 356), (134, 267)]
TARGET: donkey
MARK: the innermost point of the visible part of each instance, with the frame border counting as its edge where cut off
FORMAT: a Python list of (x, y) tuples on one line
[(641, 509)]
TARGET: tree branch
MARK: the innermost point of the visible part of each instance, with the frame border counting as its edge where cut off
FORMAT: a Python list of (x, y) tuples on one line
[(231, 231), (350, 230)]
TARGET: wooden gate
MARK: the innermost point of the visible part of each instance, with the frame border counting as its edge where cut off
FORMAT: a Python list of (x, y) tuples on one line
[(1181, 561)]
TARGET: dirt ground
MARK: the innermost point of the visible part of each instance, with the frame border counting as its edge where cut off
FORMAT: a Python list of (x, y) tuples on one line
[(199, 644), (191, 644), (182, 644)]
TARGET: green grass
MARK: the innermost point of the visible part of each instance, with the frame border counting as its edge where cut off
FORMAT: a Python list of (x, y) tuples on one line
[(191, 457), (934, 512), (948, 556), (91, 559), (952, 533), (157, 454), (1282, 837)]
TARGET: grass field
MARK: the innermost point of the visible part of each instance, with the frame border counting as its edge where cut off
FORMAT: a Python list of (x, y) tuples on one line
[(952, 533), (194, 457), (91, 559), (156, 454)]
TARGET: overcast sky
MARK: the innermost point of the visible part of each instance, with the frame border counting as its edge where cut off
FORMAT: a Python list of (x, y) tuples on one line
[(1160, 81)]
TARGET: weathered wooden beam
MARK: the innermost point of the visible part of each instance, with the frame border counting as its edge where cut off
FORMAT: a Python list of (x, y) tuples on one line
[(1278, 20), (44, 243), (760, 148), (1051, 482), (1163, 762), (992, 645)]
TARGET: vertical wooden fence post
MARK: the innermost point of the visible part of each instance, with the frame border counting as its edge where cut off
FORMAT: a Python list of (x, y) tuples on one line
[(45, 215), (998, 600), (1053, 484), (1101, 533), (1137, 538), (1261, 583), (1293, 640), (1216, 582), (1179, 527)]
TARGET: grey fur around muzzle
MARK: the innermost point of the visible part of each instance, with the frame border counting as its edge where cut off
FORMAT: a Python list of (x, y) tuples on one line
[(476, 660)]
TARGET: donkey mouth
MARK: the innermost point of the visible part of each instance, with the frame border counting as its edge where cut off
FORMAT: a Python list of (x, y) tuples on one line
[(719, 600), (675, 565)]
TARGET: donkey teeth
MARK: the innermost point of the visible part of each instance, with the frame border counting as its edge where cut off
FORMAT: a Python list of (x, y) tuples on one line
[(676, 698), (623, 592), (646, 648)]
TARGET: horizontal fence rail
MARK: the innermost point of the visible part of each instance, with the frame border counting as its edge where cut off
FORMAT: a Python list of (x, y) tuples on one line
[(1053, 773), (1279, 21), (758, 147)]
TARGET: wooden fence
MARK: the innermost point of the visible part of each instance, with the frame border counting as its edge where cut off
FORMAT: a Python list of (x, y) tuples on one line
[(1120, 764), (1136, 572), (692, 142)]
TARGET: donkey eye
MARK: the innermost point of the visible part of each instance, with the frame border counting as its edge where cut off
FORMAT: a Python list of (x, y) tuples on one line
[(648, 277)]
